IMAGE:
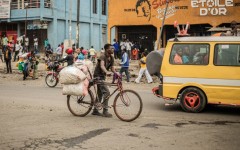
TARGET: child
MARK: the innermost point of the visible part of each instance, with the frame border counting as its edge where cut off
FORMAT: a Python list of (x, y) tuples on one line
[(135, 54), (143, 69)]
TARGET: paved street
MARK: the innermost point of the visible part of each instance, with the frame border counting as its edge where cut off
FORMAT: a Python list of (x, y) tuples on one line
[(33, 116)]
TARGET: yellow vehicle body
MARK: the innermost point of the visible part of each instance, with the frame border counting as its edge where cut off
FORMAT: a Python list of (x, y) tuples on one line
[(218, 80)]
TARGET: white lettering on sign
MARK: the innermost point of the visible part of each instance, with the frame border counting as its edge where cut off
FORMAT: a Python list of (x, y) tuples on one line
[(212, 7)]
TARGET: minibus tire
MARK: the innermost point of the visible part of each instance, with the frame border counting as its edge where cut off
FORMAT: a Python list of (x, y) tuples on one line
[(193, 100)]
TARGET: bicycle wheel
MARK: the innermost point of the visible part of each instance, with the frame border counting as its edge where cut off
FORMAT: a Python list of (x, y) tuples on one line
[(127, 105), (51, 80), (80, 105)]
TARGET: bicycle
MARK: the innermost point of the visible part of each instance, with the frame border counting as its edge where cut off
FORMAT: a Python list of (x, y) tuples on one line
[(127, 104)]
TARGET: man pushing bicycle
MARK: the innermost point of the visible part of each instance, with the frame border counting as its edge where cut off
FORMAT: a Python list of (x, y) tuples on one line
[(104, 63)]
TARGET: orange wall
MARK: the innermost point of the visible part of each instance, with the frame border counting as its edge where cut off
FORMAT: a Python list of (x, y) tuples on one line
[(123, 12)]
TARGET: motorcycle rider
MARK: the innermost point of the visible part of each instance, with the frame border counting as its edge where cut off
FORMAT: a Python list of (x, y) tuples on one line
[(69, 58)]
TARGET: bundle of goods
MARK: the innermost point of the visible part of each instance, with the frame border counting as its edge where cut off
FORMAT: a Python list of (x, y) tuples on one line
[(86, 66), (74, 81)]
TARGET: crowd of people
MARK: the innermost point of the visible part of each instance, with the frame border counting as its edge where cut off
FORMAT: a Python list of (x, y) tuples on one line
[(127, 51), (20, 51)]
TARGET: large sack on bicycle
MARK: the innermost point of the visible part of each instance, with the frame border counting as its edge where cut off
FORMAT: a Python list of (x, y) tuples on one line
[(80, 64), (71, 75), (89, 64), (80, 89)]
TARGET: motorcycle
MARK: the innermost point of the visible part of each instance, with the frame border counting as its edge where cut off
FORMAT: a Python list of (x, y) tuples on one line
[(52, 77)]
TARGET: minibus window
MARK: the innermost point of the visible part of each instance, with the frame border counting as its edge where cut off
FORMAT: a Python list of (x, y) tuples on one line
[(227, 55), (190, 54)]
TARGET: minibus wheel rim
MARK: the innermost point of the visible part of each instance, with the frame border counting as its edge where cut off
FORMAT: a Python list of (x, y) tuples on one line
[(192, 100)]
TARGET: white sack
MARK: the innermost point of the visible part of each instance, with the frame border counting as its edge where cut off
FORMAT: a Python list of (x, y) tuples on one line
[(80, 89), (71, 75), (80, 64), (89, 64)]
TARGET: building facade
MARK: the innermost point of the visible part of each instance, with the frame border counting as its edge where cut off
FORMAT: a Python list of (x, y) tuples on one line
[(141, 20), (56, 20)]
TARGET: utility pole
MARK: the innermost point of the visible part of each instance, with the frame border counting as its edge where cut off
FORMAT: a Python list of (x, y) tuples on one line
[(78, 23), (165, 12), (70, 24), (26, 7)]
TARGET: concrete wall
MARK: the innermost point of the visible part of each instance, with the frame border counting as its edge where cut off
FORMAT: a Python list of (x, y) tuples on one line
[(58, 25)]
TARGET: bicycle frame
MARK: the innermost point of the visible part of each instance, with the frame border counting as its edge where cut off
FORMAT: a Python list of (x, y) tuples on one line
[(118, 85)]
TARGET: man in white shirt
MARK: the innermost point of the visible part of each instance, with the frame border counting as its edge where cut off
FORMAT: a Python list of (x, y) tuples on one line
[(35, 40), (123, 45), (26, 41), (92, 52), (59, 52), (18, 48), (129, 48)]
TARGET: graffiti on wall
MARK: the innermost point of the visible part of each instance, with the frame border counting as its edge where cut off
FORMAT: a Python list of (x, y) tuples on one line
[(145, 8)]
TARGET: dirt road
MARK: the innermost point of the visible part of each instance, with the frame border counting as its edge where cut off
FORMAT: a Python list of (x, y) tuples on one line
[(33, 116)]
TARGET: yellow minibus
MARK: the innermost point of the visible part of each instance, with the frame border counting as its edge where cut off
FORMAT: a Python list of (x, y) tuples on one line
[(200, 71)]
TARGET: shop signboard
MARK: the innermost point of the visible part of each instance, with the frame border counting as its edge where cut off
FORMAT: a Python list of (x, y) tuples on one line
[(4, 9)]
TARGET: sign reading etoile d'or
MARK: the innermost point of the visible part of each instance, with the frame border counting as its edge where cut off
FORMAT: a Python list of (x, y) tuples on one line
[(5, 8), (212, 7)]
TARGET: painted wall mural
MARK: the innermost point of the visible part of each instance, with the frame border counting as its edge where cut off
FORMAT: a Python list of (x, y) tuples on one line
[(144, 8)]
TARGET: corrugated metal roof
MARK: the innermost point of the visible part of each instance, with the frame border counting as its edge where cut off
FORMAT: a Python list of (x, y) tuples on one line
[(208, 39)]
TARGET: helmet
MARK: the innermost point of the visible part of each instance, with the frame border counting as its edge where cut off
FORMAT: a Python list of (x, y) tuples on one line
[(69, 51)]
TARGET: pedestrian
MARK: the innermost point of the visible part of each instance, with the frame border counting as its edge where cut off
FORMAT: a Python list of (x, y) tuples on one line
[(143, 69), (35, 41), (59, 52), (34, 66), (8, 58), (104, 63), (18, 48), (116, 49), (62, 46), (92, 53), (26, 65), (122, 45), (69, 58), (48, 51), (27, 49), (4, 43), (73, 48), (135, 54), (46, 42), (1, 54), (125, 65), (81, 55), (129, 48)]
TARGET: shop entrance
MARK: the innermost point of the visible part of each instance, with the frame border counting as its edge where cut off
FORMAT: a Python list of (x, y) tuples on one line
[(144, 36), (41, 35)]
